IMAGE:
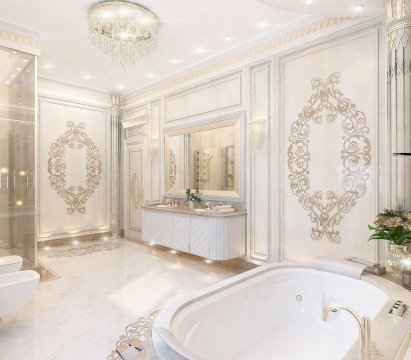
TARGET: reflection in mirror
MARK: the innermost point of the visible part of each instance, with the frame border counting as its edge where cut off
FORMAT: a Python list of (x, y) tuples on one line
[(204, 157)]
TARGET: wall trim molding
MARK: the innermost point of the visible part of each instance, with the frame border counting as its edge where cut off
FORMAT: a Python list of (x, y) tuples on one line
[(237, 58)]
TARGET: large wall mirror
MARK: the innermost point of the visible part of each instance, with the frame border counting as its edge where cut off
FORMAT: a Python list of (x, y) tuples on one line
[(206, 156)]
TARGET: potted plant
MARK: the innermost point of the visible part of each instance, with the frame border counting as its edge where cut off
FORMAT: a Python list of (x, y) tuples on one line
[(192, 197), (394, 225)]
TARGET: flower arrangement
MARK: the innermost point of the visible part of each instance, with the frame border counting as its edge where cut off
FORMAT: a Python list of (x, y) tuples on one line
[(193, 195), (393, 225)]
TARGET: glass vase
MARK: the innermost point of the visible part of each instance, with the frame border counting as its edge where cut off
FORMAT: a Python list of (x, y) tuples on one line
[(191, 204), (396, 255)]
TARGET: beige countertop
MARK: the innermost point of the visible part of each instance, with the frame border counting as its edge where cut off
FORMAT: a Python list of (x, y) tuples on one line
[(188, 211)]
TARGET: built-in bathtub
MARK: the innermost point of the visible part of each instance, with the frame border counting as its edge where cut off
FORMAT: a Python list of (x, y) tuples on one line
[(275, 312)]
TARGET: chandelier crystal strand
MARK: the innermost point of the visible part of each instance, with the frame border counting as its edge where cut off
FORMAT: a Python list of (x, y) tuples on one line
[(124, 31)]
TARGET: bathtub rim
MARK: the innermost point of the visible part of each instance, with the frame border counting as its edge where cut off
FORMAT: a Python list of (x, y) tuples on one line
[(384, 339)]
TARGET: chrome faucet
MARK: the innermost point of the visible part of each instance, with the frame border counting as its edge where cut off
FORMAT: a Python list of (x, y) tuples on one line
[(363, 322)]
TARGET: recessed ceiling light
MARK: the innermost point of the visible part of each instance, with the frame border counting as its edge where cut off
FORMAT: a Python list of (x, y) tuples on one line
[(87, 77), (18, 68), (228, 38), (13, 76), (199, 50), (308, 2), (174, 61), (8, 82), (25, 60), (150, 76), (358, 7), (120, 87), (48, 66), (262, 25)]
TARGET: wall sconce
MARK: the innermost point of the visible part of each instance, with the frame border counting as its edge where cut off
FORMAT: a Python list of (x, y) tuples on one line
[(154, 148), (257, 132)]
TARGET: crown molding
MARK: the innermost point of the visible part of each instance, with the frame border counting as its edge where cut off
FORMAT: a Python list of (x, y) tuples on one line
[(18, 38), (56, 89)]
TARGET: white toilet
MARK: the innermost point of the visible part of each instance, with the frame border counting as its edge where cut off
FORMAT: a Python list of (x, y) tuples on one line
[(9, 264), (16, 288)]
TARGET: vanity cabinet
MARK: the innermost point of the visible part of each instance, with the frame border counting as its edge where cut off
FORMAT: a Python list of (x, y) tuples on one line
[(200, 236), (212, 236), (181, 233)]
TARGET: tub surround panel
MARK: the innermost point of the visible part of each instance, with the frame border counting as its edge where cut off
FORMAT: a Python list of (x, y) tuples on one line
[(64, 213), (330, 152)]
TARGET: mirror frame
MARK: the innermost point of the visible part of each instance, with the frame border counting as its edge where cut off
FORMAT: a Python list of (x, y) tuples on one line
[(238, 118)]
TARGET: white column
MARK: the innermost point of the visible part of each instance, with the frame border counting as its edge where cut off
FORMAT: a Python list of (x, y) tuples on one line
[(398, 14), (115, 163)]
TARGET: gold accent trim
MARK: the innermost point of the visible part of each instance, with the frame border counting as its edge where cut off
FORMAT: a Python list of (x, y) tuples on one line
[(19, 39), (237, 58)]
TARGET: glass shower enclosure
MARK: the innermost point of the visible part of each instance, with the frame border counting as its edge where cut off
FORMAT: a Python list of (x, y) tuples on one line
[(17, 155)]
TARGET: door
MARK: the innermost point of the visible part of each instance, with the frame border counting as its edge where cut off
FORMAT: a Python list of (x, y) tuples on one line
[(134, 191)]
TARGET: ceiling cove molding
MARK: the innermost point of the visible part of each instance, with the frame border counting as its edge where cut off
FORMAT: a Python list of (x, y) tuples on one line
[(238, 58), (18, 38), (55, 89)]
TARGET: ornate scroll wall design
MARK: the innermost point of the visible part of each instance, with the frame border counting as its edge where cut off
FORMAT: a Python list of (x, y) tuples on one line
[(172, 169), (326, 105), (74, 196)]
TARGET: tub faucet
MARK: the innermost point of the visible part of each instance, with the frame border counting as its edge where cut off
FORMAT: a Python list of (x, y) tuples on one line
[(363, 322)]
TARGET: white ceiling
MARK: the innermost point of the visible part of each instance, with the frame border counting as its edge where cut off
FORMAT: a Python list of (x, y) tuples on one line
[(191, 31)]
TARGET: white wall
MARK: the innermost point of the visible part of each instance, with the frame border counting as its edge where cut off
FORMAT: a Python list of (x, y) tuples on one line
[(273, 81)]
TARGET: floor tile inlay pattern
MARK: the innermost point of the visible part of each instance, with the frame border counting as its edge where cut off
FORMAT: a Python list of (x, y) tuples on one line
[(82, 314)]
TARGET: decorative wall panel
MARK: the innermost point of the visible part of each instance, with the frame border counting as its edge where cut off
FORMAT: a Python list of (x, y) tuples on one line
[(74, 196), (329, 108), (73, 169), (259, 170), (328, 105), (215, 95)]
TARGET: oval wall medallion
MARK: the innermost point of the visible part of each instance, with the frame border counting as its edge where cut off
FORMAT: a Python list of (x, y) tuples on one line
[(328, 104), (74, 196)]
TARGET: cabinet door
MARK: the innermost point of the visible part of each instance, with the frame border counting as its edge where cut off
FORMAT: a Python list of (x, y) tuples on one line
[(164, 229), (200, 236), (149, 225), (181, 233)]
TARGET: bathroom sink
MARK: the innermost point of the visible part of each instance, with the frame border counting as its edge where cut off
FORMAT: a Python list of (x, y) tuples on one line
[(209, 211)]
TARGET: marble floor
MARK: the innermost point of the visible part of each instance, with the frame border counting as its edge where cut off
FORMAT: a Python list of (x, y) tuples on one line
[(102, 288)]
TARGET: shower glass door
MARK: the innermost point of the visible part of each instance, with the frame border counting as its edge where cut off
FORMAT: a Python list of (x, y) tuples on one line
[(17, 155)]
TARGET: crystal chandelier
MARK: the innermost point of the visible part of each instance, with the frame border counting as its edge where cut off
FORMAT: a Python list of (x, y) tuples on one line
[(124, 31)]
